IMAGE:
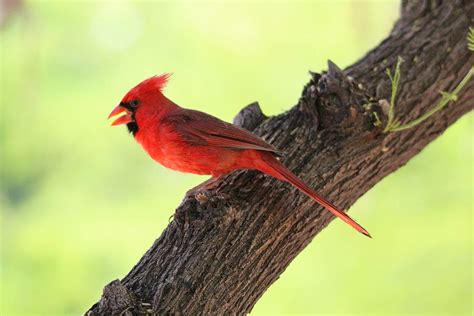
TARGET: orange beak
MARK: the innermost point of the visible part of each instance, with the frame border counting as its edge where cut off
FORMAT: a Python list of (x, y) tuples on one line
[(124, 119)]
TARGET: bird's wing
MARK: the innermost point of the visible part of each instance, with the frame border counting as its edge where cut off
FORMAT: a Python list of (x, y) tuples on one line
[(203, 129)]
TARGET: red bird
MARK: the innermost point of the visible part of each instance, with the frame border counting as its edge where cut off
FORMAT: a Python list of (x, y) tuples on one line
[(196, 142)]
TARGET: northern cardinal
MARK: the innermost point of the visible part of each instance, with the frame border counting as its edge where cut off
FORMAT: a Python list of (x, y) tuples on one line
[(196, 142)]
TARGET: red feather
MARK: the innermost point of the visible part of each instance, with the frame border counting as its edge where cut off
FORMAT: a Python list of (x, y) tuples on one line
[(196, 142), (199, 128), (150, 86)]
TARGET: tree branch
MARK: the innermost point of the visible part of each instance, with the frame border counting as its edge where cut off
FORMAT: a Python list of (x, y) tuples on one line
[(221, 252)]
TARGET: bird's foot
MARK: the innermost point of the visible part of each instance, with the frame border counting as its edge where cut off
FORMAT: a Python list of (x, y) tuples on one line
[(197, 191)]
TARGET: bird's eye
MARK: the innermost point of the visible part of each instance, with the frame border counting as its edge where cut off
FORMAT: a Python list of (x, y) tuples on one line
[(134, 103)]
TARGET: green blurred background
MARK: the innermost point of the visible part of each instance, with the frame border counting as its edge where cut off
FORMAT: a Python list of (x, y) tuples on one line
[(81, 202)]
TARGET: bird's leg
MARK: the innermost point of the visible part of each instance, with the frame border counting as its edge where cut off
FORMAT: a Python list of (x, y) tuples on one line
[(197, 194), (207, 185)]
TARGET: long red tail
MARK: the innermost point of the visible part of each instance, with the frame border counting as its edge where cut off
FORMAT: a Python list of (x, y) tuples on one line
[(276, 169)]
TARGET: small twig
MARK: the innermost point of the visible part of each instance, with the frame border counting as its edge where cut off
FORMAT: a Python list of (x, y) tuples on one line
[(394, 125), (470, 39), (446, 97), (395, 80), (378, 122)]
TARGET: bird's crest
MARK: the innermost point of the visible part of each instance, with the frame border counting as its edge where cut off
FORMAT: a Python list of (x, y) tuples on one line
[(150, 85)]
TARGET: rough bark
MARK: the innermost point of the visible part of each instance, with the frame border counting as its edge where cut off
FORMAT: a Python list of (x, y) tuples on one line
[(225, 248)]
